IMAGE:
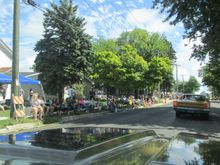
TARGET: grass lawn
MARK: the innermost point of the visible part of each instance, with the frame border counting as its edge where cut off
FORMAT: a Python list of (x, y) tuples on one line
[(8, 122), (5, 114)]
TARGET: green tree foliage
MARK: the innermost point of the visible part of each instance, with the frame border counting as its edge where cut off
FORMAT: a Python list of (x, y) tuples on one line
[(192, 85), (64, 54), (200, 19), (211, 74), (134, 66), (102, 44), (160, 68), (107, 69), (123, 70), (147, 44), (135, 50)]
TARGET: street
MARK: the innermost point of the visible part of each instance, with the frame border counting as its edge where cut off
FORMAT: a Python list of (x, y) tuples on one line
[(161, 119)]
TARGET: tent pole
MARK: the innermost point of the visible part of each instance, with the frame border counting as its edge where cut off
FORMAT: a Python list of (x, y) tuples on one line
[(43, 92)]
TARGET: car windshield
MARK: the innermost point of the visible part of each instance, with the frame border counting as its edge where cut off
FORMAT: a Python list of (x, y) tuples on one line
[(98, 70), (193, 97)]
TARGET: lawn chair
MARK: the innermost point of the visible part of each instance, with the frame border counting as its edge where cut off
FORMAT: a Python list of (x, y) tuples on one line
[(18, 103)]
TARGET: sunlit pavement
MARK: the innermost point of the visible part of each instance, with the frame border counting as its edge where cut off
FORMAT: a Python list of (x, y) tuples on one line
[(161, 119)]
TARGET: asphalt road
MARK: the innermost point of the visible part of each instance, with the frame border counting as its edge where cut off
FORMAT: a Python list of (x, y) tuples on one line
[(161, 119)]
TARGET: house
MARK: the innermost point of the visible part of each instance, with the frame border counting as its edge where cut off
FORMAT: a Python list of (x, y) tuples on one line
[(6, 57), (5, 64), (5, 67)]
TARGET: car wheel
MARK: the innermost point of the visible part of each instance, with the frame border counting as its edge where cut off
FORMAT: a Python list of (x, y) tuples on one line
[(178, 114)]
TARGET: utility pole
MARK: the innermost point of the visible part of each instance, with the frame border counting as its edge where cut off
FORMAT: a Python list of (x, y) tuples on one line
[(183, 82), (15, 58), (176, 77)]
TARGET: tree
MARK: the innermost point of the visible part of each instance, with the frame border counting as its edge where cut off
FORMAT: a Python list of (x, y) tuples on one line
[(200, 19), (160, 69), (134, 66), (64, 54), (192, 85), (107, 69), (147, 44), (102, 44), (211, 74)]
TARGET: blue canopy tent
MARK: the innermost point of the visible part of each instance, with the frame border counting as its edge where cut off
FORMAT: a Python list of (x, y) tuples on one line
[(4, 79), (24, 80)]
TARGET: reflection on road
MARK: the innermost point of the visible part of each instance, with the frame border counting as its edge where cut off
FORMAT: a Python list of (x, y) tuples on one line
[(66, 138), (139, 153), (189, 149), (107, 146), (66, 145)]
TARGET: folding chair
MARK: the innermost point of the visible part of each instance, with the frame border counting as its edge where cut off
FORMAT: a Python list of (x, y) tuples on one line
[(18, 103)]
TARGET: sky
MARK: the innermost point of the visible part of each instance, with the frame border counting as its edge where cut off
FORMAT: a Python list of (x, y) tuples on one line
[(104, 18)]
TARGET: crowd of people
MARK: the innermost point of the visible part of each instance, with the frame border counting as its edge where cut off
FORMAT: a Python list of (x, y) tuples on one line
[(71, 104)]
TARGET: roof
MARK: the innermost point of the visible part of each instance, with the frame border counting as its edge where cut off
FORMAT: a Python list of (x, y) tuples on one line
[(5, 69), (5, 49)]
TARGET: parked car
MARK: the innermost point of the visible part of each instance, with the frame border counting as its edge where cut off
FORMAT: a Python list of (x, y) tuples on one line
[(192, 104)]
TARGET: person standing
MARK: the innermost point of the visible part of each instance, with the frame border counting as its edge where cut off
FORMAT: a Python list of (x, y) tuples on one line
[(71, 93), (21, 92), (31, 92)]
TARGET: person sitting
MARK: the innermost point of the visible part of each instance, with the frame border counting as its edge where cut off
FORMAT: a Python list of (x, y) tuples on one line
[(81, 104), (37, 108), (49, 107)]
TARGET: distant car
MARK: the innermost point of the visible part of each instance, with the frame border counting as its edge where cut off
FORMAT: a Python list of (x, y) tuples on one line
[(192, 104)]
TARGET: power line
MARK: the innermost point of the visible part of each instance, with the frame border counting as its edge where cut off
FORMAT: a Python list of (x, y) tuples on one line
[(34, 4)]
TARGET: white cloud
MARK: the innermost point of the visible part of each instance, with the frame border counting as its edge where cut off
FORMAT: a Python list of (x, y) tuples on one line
[(104, 9), (27, 57), (6, 8), (118, 2), (141, 1), (148, 19), (188, 67), (90, 26), (32, 26), (101, 1), (5, 61)]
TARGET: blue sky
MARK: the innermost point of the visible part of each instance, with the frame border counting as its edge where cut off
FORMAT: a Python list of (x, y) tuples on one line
[(106, 18)]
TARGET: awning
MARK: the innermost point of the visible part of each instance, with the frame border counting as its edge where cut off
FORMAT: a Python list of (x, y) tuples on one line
[(5, 79), (24, 80)]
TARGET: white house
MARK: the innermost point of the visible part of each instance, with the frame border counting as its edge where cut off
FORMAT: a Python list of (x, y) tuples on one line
[(5, 62), (5, 56)]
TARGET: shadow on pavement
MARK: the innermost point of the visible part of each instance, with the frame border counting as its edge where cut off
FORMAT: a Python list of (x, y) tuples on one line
[(158, 118)]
